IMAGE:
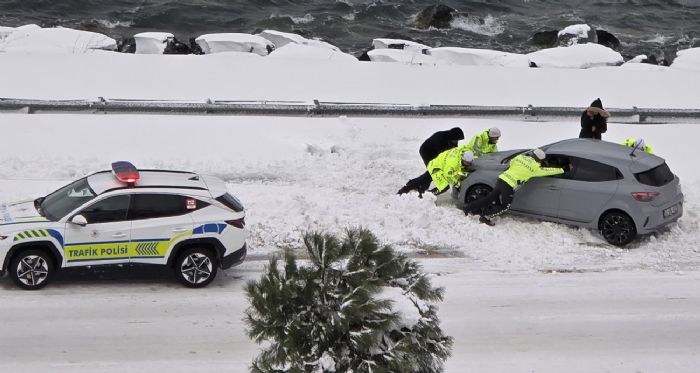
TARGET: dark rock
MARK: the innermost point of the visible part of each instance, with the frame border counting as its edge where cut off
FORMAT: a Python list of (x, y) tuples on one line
[(607, 39), (438, 16), (545, 39), (194, 47), (127, 45), (174, 46), (651, 60), (364, 56)]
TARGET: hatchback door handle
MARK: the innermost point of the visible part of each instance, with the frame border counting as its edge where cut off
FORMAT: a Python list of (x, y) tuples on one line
[(181, 229), (119, 235)]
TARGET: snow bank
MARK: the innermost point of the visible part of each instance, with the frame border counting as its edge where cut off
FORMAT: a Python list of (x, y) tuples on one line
[(313, 52), (280, 39), (152, 42), (578, 56), (478, 57), (404, 56), (234, 42), (688, 59), (61, 40)]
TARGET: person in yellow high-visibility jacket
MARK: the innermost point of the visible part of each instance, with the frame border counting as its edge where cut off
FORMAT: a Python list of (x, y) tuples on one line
[(521, 169), (638, 144), (449, 168), (485, 142)]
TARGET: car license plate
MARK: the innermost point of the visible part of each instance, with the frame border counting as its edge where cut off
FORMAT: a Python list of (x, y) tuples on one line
[(673, 210)]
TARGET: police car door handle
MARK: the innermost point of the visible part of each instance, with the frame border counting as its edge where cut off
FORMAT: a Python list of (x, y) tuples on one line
[(180, 229), (119, 235)]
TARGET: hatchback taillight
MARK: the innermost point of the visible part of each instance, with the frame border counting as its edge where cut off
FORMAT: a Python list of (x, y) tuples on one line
[(644, 196), (238, 223)]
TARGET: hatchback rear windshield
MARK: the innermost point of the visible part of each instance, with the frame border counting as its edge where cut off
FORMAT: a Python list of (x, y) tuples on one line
[(231, 202), (657, 176)]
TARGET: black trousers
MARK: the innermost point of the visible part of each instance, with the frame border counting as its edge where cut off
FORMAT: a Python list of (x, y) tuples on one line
[(483, 207)]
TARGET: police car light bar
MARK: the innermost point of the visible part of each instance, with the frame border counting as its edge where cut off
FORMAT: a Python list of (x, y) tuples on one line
[(125, 172)]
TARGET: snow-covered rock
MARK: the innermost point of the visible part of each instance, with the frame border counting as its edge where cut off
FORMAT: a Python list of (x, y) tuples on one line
[(315, 52), (688, 59), (32, 38), (280, 39), (5, 31), (478, 57), (398, 44), (405, 56), (578, 56), (235, 42), (576, 34), (152, 42)]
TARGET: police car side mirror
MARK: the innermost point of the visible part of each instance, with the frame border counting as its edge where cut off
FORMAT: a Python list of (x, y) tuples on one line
[(79, 220)]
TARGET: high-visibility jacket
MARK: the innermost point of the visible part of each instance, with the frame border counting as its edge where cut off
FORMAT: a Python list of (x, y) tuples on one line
[(446, 169), (524, 167), (630, 143), (479, 144)]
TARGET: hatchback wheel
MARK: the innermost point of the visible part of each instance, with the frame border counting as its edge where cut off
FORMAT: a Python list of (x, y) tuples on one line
[(196, 267), (480, 191), (617, 228), (31, 269)]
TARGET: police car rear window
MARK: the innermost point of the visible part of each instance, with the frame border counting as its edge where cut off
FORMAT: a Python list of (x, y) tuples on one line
[(657, 176), (231, 202)]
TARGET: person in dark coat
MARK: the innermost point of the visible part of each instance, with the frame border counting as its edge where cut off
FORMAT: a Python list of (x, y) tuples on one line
[(439, 142), (594, 121), (432, 147)]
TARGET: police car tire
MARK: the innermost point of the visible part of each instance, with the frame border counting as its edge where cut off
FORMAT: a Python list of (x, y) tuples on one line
[(33, 255), (194, 253)]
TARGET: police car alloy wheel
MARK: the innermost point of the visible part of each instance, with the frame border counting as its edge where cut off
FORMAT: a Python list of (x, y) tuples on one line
[(196, 267), (31, 269)]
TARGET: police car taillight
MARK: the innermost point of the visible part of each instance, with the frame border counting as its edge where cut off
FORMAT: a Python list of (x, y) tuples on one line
[(125, 172)]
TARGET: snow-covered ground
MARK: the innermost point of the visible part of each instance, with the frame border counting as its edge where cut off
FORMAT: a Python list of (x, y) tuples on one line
[(521, 296)]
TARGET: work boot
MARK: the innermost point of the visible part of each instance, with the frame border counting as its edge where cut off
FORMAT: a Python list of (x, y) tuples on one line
[(487, 221)]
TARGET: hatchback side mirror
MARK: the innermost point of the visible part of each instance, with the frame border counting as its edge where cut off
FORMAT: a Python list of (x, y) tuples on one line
[(79, 220)]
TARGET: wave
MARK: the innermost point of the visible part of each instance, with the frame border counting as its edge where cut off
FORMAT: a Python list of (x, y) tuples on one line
[(488, 26)]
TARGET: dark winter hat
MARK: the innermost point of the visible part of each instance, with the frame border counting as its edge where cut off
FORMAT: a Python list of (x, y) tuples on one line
[(457, 133), (597, 103)]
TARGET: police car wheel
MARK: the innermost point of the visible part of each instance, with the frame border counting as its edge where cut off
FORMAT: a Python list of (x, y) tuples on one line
[(31, 269), (196, 267)]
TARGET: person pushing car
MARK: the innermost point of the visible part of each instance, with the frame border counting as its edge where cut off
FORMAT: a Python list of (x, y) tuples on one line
[(521, 169)]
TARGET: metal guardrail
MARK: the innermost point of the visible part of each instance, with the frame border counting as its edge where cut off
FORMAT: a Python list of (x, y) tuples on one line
[(318, 108)]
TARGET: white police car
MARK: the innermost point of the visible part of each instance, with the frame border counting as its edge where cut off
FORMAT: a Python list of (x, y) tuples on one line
[(180, 219)]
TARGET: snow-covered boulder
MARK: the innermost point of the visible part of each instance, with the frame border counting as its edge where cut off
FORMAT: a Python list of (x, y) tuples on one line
[(578, 56), (235, 42), (280, 39), (688, 59), (314, 52), (5, 31), (478, 57), (32, 38), (398, 44), (577, 34), (152, 42), (405, 56)]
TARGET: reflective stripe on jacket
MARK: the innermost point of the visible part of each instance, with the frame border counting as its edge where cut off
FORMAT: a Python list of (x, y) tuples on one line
[(479, 144), (523, 167), (630, 143), (446, 168)]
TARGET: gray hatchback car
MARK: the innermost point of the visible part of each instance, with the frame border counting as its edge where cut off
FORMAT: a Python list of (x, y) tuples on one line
[(610, 188)]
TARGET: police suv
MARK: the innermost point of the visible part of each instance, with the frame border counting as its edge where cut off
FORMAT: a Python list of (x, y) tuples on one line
[(179, 219)]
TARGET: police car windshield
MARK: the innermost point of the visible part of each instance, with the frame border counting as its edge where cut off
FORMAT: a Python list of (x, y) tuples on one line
[(61, 202)]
